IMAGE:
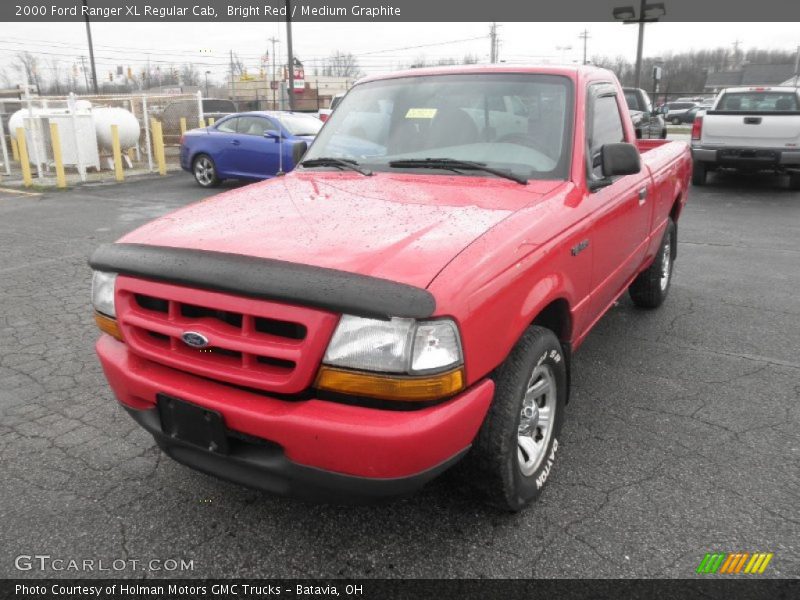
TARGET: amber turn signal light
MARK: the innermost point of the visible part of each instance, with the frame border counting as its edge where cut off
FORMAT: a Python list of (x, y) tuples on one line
[(391, 387), (108, 325)]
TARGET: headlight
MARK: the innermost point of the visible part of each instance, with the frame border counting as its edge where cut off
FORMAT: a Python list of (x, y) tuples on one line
[(395, 346), (400, 359), (103, 292)]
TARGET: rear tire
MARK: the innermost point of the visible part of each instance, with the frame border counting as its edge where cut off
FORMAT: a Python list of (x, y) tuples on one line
[(699, 173), (650, 288), (205, 171), (516, 446), (675, 120), (794, 181)]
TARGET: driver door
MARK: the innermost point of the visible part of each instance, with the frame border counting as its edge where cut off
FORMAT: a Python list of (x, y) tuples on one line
[(257, 154), (620, 210)]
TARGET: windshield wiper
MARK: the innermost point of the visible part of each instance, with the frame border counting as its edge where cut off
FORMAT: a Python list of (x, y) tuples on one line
[(452, 163), (342, 163)]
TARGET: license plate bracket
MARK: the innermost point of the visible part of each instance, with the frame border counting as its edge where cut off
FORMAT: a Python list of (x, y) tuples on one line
[(192, 424)]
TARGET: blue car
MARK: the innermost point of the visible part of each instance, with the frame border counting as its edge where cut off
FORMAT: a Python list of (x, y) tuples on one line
[(250, 145)]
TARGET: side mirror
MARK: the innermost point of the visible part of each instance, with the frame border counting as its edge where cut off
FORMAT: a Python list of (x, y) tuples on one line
[(620, 159), (298, 151), (272, 134)]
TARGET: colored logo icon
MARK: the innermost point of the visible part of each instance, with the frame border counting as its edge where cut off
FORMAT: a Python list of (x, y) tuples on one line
[(734, 563)]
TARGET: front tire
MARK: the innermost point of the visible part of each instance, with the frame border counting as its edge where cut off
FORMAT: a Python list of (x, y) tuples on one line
[(205, 171), (516, 446), (675, 120), (699, 173), (794, 181), (650, 288)]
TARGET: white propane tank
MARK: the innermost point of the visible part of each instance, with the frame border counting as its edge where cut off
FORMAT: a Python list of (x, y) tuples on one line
[(36, 139), (127, 124), (18, 118)]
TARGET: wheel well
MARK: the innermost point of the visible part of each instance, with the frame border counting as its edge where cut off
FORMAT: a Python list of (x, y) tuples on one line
[(556, 317), (675, 211)]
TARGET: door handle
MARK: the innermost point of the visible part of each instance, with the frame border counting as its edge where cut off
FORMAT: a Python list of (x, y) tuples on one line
[(642, 195), (235, 142)]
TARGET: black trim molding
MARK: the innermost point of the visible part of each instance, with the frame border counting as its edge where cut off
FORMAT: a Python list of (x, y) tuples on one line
[(329, 289)]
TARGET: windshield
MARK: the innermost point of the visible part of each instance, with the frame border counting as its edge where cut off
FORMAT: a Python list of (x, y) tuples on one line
[(516, 122), (758, 101), (301, 124)]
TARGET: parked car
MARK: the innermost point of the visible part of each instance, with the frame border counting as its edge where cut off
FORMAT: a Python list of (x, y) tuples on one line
[(647, 121), (396, 305), (324, 113), (251, 145), (677, 110), (749, 129), (690, 115)]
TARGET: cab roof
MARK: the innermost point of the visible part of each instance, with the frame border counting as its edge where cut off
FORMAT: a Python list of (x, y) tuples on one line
[(571, 71)]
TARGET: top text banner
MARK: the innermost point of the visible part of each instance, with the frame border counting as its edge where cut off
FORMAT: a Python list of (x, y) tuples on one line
[(394, 10)]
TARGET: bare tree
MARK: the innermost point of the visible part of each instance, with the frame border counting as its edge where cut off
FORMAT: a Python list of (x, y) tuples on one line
[(341, 64), (28, 66), (55, 87), (237, 67), (189, 74)]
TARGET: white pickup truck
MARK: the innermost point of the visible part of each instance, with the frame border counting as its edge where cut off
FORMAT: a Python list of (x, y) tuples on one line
[(749, 129)]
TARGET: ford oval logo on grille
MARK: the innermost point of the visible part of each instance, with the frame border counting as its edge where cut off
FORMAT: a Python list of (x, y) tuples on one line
[(194, 339)]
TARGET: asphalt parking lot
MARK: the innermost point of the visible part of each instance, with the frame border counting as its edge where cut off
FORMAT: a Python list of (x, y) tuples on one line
[(682, 435)]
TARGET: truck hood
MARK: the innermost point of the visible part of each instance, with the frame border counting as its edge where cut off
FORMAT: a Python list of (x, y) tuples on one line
[(396, 226)]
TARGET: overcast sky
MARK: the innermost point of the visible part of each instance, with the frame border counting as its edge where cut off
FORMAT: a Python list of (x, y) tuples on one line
[(378, 46)]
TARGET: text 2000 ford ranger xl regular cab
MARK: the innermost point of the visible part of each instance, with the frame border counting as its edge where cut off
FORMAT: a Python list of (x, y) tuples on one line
[(407, 298)]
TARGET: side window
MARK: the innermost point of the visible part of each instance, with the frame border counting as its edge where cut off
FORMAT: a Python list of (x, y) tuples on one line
[(604, 125), (228, 126), (255, 126)]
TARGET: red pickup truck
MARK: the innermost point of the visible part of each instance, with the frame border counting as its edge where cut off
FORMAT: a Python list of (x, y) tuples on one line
[(408, 298)]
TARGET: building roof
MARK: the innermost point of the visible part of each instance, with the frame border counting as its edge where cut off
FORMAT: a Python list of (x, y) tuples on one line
[(752, 74), (723, 79)]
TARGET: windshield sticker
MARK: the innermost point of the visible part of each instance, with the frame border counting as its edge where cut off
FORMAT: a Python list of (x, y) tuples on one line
[(421, 113)]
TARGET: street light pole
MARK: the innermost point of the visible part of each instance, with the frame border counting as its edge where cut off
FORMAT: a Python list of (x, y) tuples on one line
[(639, 47), (207, 73), (648, 13)]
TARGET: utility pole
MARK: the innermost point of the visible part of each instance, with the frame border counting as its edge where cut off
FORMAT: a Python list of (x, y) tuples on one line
[(797, 67), (91, 49), (584, 35), (493, 58), (85, 76), (274, 81), (233, 94), (290, 57)]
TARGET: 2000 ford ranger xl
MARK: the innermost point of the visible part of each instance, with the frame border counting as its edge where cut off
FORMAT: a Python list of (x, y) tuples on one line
[(408, 298)]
